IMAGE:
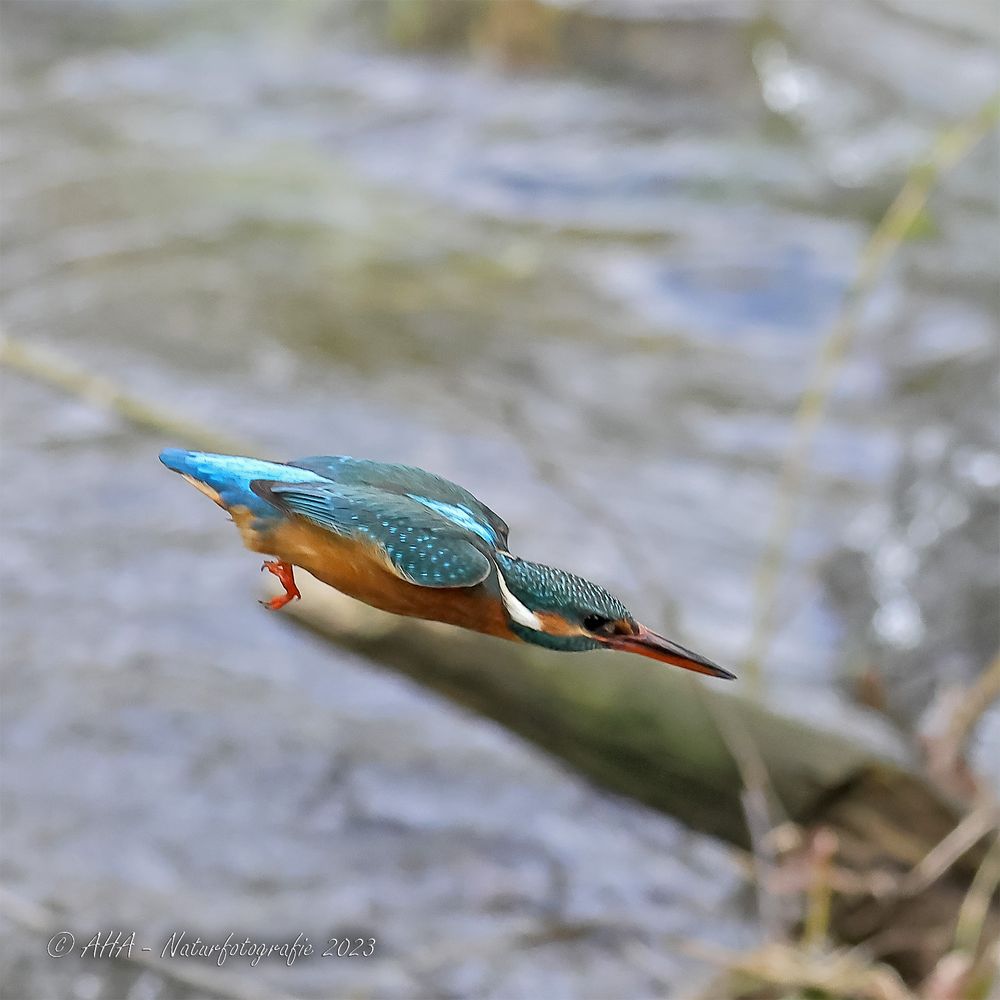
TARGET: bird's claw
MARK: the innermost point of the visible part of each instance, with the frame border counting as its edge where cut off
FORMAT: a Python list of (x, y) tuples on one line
[(284, 572)]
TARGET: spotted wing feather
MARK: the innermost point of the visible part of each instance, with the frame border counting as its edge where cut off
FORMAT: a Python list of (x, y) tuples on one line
[(435, 492), (419, 545)]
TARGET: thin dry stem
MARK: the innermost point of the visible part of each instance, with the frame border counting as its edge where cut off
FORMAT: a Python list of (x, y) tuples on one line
[(897, 222), (822, 851), (939, 859), (975, 701), (976, 905)]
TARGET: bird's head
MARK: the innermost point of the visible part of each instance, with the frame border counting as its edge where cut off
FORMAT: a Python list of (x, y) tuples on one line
[(555, 609)]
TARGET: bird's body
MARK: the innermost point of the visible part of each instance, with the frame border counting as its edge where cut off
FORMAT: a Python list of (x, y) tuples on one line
[(355, 569), (411, 543)]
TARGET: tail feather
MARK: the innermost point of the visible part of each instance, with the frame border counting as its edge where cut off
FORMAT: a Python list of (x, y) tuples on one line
[(226, 479)]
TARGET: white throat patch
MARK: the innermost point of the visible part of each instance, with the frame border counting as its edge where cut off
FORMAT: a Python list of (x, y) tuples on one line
[(516, 609)]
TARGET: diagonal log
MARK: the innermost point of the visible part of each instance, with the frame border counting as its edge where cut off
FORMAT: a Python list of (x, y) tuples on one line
[(654, 735)]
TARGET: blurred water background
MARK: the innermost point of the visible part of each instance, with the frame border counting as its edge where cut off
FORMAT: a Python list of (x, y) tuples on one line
[(577, 257)]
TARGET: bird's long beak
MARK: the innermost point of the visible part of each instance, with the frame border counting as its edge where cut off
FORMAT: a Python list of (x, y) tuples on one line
[(647, 643)]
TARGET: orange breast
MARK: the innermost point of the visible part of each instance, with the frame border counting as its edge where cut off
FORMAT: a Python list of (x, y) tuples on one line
[(356, 570)]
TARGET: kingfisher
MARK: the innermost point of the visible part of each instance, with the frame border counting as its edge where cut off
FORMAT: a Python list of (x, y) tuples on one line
[(412, 543)]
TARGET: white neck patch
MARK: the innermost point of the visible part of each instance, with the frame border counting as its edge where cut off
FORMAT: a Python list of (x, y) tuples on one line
[(516, 609)]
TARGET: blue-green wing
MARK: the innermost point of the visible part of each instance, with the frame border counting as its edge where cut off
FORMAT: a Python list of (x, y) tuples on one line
[(442, 496), (419, 545)]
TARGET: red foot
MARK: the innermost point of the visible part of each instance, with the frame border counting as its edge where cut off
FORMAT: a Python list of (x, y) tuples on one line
[(283, 571)]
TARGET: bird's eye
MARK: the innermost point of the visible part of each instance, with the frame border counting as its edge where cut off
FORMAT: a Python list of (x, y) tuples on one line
[(595, 623)]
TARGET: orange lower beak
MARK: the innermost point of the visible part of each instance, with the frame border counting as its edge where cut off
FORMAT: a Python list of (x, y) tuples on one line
[(647, 643)]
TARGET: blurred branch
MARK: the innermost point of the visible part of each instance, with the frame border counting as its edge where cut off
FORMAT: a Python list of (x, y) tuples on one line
[(976, 905), (56, 370), (946, 852), (761, 807), (639, 732), (822, 852), (949, 149), (956, 713), (974, 702)]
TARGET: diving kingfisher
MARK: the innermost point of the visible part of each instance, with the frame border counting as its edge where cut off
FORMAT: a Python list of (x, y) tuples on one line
[(407, 541)]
